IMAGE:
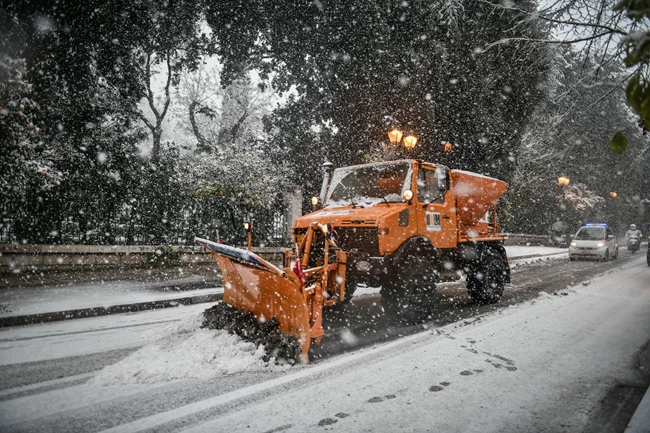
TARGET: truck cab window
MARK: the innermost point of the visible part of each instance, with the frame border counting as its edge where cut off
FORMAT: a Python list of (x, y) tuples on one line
[(428, 187)]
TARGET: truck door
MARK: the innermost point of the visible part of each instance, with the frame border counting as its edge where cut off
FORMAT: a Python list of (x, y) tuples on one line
[(436, 213)]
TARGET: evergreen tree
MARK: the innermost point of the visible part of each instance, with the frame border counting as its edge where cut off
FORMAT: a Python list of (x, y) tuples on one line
[(568, 136), (361, 68)]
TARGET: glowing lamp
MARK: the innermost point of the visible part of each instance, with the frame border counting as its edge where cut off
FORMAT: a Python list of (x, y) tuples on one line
[(395, 136), (563, 180), (409, 142)]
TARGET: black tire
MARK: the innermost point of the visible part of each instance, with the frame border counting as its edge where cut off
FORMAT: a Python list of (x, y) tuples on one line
[(485, 285), (606, 258), (409, 298), (351, 281), (616, 254), (573, 259)]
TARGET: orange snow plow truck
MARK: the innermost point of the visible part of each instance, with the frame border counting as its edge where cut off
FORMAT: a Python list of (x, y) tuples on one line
[(403, 225)]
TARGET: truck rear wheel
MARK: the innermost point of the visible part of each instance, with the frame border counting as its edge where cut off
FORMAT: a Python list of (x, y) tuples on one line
[(409, 298), (485, 285)]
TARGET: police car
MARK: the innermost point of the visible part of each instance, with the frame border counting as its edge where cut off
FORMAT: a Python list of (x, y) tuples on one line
[(594, 241)]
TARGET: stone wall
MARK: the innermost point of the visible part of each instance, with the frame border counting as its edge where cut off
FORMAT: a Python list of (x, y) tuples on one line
[(17, 258)]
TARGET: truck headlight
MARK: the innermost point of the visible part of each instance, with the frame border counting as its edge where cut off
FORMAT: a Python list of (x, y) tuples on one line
[(363, 266), (573, 243), (600, 244)]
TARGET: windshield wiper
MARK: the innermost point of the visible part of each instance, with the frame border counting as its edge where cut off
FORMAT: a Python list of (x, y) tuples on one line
[(386, 201), (354, 205), (435, 199)]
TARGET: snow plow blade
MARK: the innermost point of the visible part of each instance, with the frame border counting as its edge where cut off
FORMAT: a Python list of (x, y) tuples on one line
[(253, 284)]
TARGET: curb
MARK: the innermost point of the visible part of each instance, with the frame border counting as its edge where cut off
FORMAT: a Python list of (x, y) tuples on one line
[(30, 319), (640, 422)]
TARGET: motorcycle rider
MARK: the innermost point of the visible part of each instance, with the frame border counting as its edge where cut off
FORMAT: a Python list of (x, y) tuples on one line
[(633, 233)]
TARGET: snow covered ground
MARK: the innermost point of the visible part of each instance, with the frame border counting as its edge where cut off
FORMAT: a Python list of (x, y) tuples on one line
[(517, 370), (521, 251), (85, 336), (543, 365), (38, 300), (185, 351), (519, 255)]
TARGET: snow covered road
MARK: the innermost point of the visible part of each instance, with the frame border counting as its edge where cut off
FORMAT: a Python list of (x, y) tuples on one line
[(540, 366), (533, 362)]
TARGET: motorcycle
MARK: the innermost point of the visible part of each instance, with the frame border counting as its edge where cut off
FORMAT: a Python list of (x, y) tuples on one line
[(633, 244)]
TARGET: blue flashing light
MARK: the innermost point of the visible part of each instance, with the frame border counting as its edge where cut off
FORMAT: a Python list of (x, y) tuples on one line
[(603, 224), (589, 224)]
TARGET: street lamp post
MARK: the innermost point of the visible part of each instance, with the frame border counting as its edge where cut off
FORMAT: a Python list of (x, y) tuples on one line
[(249, 232)]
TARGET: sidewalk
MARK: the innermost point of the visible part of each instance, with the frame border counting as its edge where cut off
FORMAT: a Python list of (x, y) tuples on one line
[(36, 298), (522, 254)]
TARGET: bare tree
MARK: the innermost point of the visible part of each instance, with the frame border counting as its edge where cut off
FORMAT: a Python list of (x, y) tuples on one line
[(159, 113), (222, 120), (198, 94), (244, 105)]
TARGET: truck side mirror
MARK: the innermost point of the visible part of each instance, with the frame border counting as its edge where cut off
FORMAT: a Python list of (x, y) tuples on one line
[(442, 173)]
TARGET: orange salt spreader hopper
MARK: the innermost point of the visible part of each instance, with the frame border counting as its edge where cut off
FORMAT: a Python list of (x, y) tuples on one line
[(253, 284)]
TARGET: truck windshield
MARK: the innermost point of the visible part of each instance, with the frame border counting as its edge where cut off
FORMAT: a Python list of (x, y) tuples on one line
[(590, 234), (369, 184)]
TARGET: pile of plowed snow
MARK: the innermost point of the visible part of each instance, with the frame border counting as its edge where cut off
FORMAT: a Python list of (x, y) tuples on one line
[(285, 348), (187, 351)]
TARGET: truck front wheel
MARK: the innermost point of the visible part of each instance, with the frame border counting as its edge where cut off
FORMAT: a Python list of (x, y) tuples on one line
[(408, 298), (485, 285), (351, 281)]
